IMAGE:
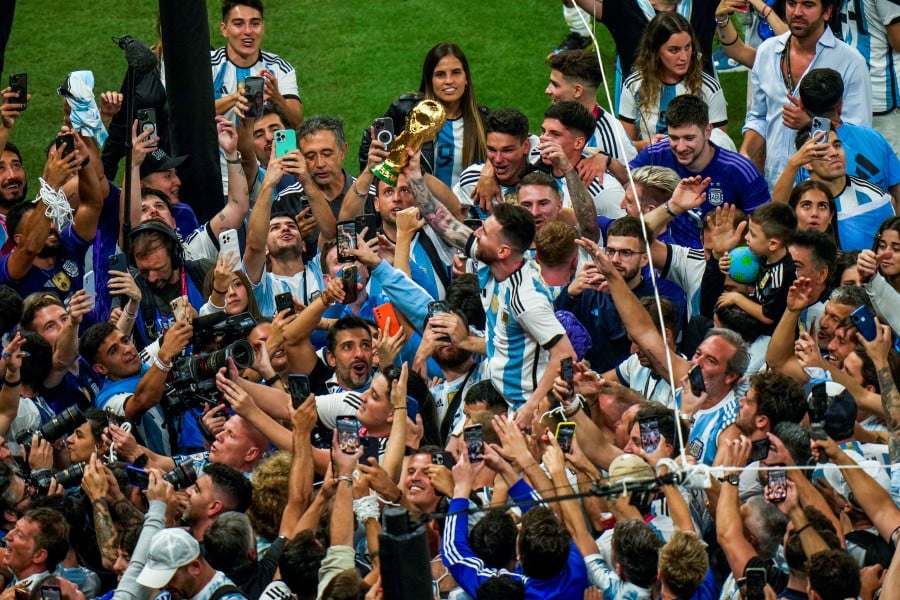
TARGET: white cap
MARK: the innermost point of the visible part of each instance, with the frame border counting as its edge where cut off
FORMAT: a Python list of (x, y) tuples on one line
[(170, 549)]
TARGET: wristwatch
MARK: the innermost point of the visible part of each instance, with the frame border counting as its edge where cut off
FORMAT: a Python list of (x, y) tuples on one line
[(733, 479)]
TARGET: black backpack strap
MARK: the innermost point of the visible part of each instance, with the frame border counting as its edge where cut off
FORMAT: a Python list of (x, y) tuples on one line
[(226, 590), (447, 422)]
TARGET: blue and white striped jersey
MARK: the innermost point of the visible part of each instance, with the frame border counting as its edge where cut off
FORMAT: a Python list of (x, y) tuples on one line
[(226, 75), (864, 26), (520, 325), (448, 152), (861, 209), (703, 441)]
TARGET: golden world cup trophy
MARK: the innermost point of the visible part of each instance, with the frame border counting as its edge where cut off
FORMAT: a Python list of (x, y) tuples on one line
[(422, 125)]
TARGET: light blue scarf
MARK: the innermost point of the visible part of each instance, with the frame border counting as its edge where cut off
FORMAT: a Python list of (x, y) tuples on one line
[(78, 90)]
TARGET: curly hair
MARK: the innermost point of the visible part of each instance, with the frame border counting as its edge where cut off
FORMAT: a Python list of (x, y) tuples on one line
[(648, 64), (270, 494)]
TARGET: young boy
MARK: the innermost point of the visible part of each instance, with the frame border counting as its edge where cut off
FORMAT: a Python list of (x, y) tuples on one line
[(768, 235)]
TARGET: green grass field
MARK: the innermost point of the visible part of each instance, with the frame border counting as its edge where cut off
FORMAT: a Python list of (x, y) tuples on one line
[(352, 58)]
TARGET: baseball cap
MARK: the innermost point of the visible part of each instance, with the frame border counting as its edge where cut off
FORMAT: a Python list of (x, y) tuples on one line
[(171, 548), (629, 467), (840, 414), (158, 161)]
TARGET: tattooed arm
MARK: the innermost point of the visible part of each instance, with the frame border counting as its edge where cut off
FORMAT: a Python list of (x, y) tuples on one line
[(436, 214), (107, 534), (878, 350), (583, 205)]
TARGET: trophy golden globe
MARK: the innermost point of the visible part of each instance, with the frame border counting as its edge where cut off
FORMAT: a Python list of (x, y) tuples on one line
[(422, 125)]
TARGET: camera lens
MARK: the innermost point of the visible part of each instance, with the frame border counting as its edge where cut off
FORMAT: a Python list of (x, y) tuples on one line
[(182, 476), (385, 136), (63, 423), (71, 476)]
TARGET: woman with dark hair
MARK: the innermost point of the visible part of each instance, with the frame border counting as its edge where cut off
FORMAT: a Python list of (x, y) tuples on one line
[(447, 79), (815, 208), (887, 246), (228, 290), (668, 64)]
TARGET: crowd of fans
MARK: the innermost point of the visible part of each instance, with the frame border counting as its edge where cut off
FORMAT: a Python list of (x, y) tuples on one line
[(622, 358)]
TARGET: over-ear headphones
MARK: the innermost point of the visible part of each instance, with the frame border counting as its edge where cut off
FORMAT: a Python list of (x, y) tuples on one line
[(169, 238)]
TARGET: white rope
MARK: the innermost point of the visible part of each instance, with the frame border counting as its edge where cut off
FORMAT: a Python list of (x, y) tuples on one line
[(57, 205)]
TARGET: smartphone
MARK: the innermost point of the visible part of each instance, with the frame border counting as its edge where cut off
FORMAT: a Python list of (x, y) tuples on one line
[(371, 449), (285, 141), (146, 118), (50, 592), (253, 92), (384, 131), (649, 428), (348, 434), (756, 583), (820, 124), (368, 223), (565, 431), (865, 322), (284, 301), (473, 224), (348, 282), (382, 312), (346, 240), (412, 408), (299, 388), (137, 477), (66, 142), (442, 457), (474, 438), (568, 373), (118, 262), (178, 307), (229, 242), (759, 450), (776, 486), (695, 377), (436, 307), (19, 84)]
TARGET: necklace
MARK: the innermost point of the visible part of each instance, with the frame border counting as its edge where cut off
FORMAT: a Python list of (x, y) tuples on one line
[(787, 76)]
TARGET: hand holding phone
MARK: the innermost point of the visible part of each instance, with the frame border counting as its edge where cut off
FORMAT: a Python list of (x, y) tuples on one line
[(697, 383), (348, 434), (18, 83), (776, 488), (650, 438), (284, 301), (473, 435), (565, 433), (299, 389)]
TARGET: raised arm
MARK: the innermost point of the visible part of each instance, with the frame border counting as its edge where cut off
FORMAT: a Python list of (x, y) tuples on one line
[(436, 214), (780, 353), (141, 146), (300, 482), (12, 380), (87, 216), (152, 385), (812, 150), (65, 350), (258, 225), (294, 163), (238, 203)]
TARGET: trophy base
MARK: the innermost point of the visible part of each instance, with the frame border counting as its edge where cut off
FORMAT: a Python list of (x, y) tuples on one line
[(386, 173)]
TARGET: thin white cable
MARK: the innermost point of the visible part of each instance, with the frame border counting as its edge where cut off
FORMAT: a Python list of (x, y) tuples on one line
[(658, 300)]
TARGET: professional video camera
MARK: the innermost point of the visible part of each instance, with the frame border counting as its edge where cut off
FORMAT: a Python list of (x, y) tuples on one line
[(193, 378), (61, 424), (221, 329)]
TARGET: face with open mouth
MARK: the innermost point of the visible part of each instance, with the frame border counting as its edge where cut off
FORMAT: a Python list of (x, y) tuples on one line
[(352, 358), (12, 178), (243, 30)]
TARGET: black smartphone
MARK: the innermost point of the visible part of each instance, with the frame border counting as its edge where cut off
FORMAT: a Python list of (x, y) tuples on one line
[(292, 203), (756, 584), (776, 488), (368, 223), (384, 131), (650, 438), (66, 143), (137, 477), (568, 374), (820, 124), (146, 118), (118, 262), (18, 82), (695, 377), (473, 224), (565, 431), (442, 457), (474, 438), (759, 450), (865, 322), (346, 240), (50, 592), (253, 92), (299, 388), (348, 282), (348, 433), (284, 301), (436, 307), (371, 448)]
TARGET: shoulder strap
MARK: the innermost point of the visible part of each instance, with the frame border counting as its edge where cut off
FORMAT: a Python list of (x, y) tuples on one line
[(226, 590), (454, 405)]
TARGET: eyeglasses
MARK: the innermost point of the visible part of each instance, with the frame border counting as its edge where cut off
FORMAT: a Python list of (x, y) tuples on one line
[(625, 254)]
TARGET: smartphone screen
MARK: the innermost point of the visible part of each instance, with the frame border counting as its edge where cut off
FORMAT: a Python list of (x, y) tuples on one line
[(50, 592), (474, 438), (348, 434), (253, 92), (565, 431), (346, 240), (776, 489), (649, 429), (299, 387), (568, 373)]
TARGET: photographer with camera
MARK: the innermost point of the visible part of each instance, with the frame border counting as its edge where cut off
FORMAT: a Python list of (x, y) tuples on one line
[(133, 389)]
